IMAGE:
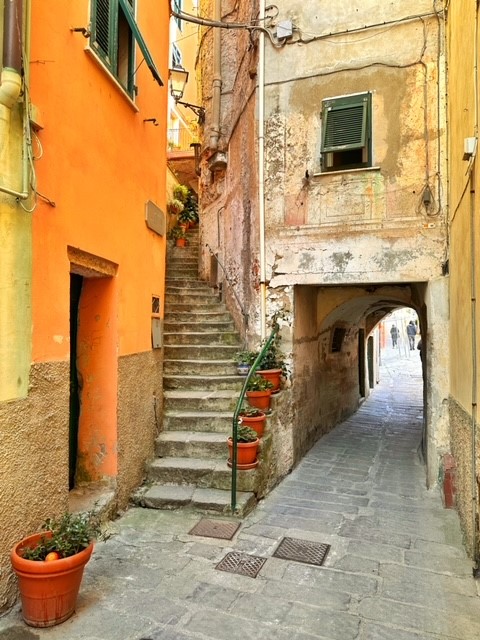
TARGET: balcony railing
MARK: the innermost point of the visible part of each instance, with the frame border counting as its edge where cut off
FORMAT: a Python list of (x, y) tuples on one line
[(180, 139)]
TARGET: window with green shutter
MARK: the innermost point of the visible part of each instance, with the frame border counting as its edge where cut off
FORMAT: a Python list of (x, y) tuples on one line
[(346, 132), (114, 32)]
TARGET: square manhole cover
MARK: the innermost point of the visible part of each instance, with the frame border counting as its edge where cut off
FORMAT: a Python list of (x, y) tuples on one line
[(215, 529), (302, 551), (241, 563)]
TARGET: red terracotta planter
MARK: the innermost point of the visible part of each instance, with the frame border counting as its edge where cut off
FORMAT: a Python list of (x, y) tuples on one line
[(246, 454), (274, 376), (180, 242), (259, 399), (48, 590), (257, 423)]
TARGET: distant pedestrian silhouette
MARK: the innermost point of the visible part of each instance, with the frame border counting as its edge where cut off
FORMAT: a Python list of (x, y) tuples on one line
[(411, 333), (394, 334)]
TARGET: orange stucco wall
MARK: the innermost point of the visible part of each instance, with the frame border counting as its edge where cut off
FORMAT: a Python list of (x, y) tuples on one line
[(101, 162)]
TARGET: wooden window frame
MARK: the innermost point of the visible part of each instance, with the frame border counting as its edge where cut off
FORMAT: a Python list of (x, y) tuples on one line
[(346, 132), (116, 47)]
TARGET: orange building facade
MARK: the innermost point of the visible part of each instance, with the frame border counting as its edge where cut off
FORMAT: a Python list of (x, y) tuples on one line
[(95, 94)]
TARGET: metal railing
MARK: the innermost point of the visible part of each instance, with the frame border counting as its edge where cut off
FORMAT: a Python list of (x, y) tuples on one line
[(242, 309), (238, 408), (180, 139)]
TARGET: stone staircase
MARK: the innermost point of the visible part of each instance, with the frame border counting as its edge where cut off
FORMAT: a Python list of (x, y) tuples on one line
[(201, 388)]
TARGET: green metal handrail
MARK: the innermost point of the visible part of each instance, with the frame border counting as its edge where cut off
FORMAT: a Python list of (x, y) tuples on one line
[(238, 408)]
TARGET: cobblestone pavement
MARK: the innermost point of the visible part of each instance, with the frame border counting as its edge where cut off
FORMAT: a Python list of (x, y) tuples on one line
[(396, 568)]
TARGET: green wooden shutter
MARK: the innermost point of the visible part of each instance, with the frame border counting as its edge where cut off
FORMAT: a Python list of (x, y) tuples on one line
[(345, 123), (128, 11), (101, 29)]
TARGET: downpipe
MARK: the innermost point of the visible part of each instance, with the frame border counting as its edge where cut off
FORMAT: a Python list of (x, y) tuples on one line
[(261, 172)]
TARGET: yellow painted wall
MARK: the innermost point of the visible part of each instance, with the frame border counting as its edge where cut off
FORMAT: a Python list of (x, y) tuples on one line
[(464, 263)]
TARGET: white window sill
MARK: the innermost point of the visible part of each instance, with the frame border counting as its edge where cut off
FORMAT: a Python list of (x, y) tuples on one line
[(342, 171), (91, 54)]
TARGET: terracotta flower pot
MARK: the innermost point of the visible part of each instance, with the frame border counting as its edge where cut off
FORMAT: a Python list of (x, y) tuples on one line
[(48, 590), (257, 423), (246, 454), (274, 376), (180, 242), (259, 399)]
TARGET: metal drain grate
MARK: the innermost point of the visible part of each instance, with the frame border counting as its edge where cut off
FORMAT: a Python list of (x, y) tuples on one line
[(215, 529), (241, 563), (302, 551)]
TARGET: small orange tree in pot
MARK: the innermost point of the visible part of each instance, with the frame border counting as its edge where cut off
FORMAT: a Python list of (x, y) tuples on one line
[(49, 566)]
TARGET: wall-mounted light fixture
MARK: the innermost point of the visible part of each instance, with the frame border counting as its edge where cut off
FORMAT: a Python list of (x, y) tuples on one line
[(178, 80), (152, 120)]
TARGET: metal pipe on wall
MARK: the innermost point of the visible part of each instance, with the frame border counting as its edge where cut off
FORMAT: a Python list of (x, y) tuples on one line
[(217, 79), (261, 171), (473, 283)]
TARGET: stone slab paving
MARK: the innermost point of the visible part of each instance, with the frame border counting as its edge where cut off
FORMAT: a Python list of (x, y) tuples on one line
[(396, 569)]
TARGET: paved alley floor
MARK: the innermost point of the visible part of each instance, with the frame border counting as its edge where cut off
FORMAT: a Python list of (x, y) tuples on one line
[(396, 568)]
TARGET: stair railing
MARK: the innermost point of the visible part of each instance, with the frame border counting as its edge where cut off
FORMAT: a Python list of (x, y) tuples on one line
[(238, 408), (242, 308)]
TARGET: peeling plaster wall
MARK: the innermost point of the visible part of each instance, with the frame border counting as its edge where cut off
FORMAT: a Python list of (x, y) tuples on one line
[(358, 227)]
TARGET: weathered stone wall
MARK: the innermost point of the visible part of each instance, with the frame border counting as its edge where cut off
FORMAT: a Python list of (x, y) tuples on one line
[(140, 406), (34, 462), (461, 435)]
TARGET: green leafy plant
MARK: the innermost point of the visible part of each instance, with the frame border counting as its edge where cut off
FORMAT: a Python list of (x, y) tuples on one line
[(175, 206), (273, 358), (245, 357), (176, 232), (67, 535), (246, 434), (180, 192), (257, 383), (190, 210)]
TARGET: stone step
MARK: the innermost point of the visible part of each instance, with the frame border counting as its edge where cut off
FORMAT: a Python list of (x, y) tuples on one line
[(173, 284), (199, 367), (199, 315), (191, 444), (203, 337), (194, 498), (200, 400), (201, 472), (199, 421), (199, 352), (202, 382), (212, 307), (198, 325), (191, 297)]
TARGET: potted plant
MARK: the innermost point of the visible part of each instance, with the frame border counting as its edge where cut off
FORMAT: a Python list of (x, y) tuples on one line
[(175, 206), (272, 365), (253, 418), (177, 234), (244, 360), (189, 215), (247, 445), (49, 566), (259, 391)]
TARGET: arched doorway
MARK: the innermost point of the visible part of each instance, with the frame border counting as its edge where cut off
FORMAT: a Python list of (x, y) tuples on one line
[(336, 353)]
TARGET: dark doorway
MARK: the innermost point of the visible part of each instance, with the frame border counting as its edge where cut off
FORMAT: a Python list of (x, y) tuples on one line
[(76, 283), (370, 356), (361, 362)]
